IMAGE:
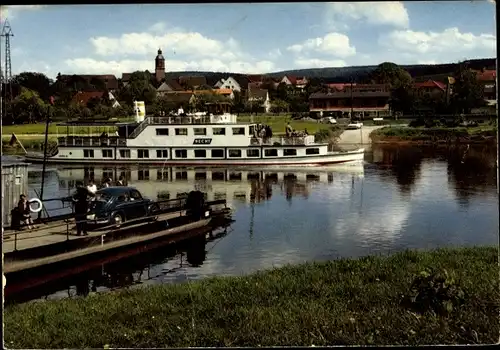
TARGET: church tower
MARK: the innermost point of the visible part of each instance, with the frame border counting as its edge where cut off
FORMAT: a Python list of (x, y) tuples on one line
[(159, 66)]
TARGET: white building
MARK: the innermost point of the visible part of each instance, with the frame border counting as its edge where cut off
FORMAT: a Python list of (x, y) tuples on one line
[(229, 83)]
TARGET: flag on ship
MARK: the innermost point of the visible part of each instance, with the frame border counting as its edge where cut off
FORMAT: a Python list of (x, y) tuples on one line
[(13, 140)]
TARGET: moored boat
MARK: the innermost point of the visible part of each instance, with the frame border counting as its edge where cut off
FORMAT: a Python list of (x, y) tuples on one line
[(205, 140)]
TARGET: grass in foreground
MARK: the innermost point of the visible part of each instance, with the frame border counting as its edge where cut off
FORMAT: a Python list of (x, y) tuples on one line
[(339, 302)]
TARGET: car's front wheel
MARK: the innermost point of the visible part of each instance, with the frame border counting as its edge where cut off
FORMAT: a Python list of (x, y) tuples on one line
[(153, 212), (117, 220)]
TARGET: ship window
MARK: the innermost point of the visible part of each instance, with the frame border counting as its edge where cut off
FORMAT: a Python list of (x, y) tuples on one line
[(235, 176), (271, 152), (253, 153), (234, 153), (181, 175), (200, 176), (219, 131), (200, 153), (161, 175), (218, 175), (200, 131), (251, 130), (143, 153), (289, 152), (238, 131), (181, 131), (107, 153), (217, 153), (124, 153), (161, 153), (181, 153), (143, 175), (162, 132), (312, 150), (88, 153)]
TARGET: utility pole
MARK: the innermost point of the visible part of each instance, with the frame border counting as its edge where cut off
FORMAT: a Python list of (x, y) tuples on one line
[(7, 77)]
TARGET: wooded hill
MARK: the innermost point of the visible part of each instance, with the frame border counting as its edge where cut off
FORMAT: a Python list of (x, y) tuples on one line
[(357, 73)]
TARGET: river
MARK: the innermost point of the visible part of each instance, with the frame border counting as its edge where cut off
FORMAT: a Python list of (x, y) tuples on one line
[(401, 197)]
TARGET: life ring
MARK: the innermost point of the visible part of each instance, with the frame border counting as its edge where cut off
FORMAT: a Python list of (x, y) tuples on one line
[(40, 205)]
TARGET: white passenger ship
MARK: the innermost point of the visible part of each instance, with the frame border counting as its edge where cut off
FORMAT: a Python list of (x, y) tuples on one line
[(190, 140)]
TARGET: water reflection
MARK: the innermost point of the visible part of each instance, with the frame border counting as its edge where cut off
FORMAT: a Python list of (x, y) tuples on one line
[(401, 198), (127, 268)]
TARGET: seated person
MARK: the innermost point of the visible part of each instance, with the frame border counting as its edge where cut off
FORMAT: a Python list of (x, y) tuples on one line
[(23, 208)]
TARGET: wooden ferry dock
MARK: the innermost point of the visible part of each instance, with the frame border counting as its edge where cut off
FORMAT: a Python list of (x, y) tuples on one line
[(56, 241)]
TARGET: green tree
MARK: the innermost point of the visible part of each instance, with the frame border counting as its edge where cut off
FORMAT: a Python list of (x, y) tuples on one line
[(37, 82), (238, 102), (139, 88), (467, 91), (28, 107), (401, 85), (279, 106)]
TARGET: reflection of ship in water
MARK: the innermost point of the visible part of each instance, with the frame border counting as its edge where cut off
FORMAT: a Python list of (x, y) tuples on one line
[(123, 269), (233, 185)]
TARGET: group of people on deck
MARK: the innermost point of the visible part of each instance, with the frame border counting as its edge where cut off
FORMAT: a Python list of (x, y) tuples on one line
[(290, 132), (263, 131)]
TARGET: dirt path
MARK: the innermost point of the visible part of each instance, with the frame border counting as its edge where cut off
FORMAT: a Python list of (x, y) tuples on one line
[(359, 136)]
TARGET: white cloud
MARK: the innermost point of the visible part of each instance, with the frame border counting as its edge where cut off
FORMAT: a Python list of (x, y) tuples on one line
[(158, 27), (180, 42), (450, 40), (275, 53), (10, 11), (117, 67), (318, 63), (183, 50), (391, 13), (334, 44)]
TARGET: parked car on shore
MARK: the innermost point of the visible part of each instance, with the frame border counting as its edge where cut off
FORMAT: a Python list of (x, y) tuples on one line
[(116, 205)]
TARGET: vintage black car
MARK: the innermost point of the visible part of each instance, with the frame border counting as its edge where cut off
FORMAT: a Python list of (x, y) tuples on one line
[(116, 205)]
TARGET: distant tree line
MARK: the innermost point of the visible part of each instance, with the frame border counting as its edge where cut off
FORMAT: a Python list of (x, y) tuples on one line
[(31, 93)]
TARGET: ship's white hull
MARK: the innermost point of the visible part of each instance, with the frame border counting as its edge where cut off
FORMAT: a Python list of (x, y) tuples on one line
[(313, 160)]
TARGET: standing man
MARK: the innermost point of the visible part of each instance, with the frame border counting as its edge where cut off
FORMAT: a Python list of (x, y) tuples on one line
[(81, 201)]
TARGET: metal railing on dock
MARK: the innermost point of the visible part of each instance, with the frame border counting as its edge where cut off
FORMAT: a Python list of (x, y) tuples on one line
[(63, 224)]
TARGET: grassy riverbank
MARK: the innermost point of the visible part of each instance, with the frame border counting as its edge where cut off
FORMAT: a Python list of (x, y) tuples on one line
[(422, 135), (31, 144), (277, 123), (339, 302)]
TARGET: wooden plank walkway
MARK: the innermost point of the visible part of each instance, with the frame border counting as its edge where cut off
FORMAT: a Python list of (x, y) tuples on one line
[(15, 266), (56, 232)]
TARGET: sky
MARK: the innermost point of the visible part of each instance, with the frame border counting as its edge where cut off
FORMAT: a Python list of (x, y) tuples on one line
[(246, 38)]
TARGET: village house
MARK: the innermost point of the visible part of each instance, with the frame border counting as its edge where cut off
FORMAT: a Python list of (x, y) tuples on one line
[(430, 87), (82, 98), (192, 82), (260, 96), (487, 78), (363, 100), (168, 86), (299, 83), (229, 83)]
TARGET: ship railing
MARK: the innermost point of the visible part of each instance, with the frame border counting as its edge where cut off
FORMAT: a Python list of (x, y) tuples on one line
[(282, 141), (140, 128), (210, 119), (91, 141)]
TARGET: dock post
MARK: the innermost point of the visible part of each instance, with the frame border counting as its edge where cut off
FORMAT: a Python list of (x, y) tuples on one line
[(67, 230), (15, 241)]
